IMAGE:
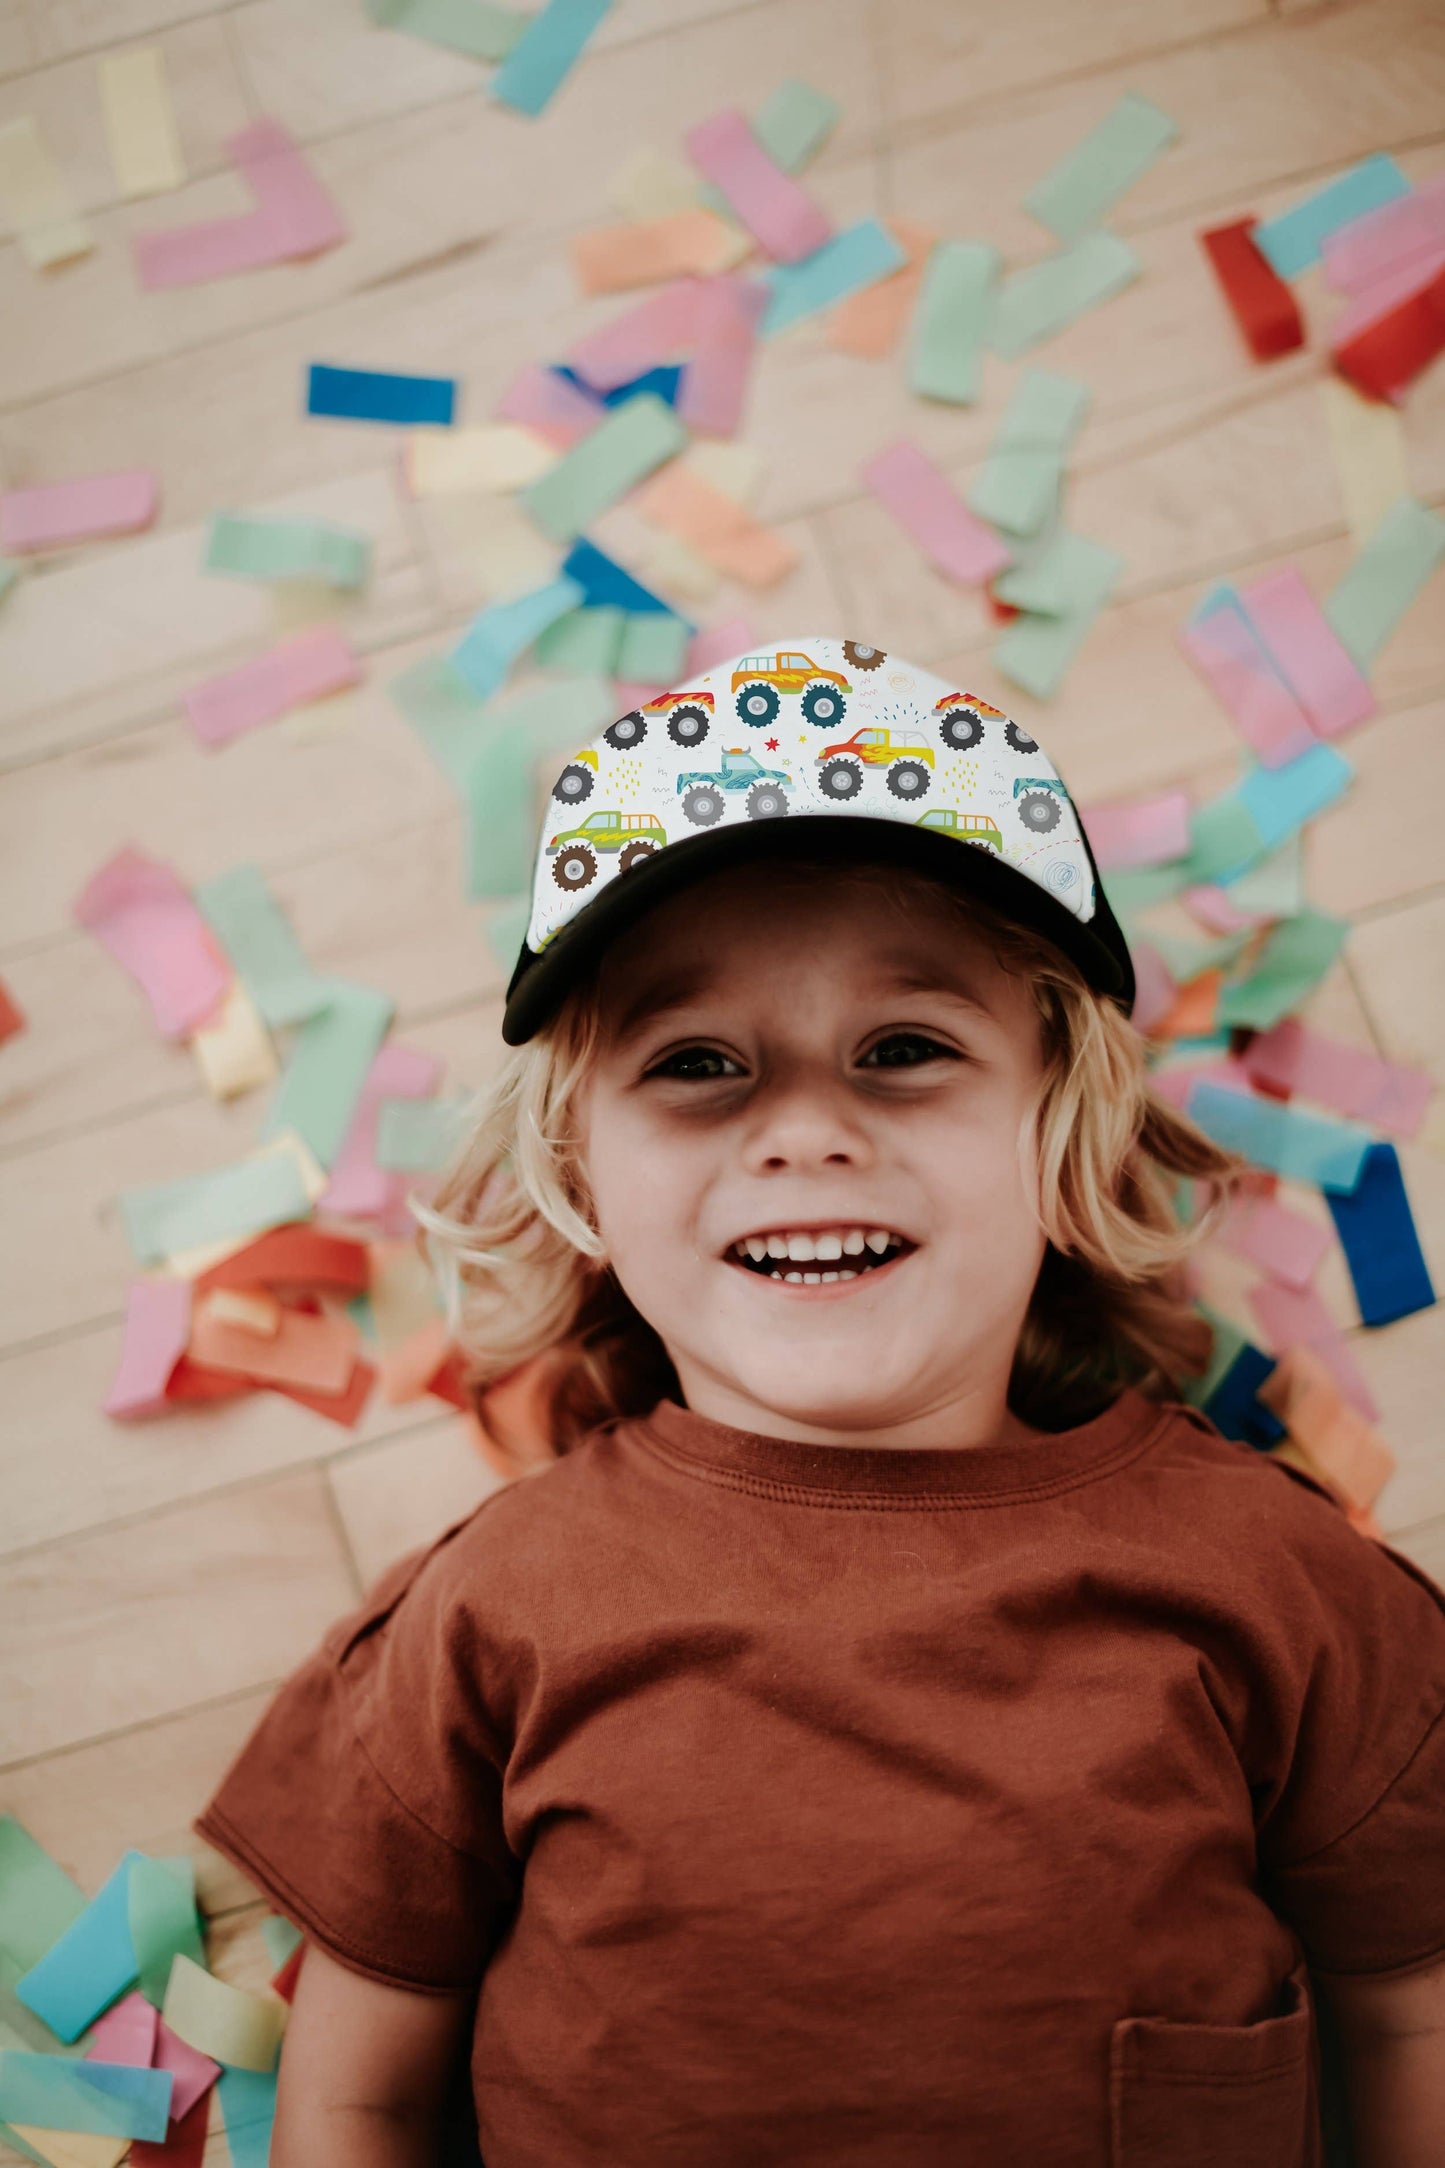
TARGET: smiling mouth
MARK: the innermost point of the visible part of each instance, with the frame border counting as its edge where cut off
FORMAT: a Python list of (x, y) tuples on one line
[(832, 1270)]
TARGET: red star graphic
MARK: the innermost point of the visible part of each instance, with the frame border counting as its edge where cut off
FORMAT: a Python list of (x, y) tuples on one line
[(771, 744)]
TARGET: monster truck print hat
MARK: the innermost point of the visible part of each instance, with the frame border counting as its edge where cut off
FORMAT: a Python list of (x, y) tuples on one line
[(828, 742)]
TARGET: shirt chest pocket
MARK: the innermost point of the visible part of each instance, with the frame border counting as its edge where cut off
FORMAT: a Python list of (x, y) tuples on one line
[(1192, 2096)]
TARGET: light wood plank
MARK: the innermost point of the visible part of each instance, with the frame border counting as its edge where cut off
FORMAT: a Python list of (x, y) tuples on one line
[(1397, 954), (400, 1493)]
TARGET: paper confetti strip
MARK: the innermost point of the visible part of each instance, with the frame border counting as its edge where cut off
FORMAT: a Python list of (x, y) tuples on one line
[(1346, 1452), (1141, 832), (307, 668), (591, 476), (140, 122), (370, 395), (1314, 663), (610, 259), (1036, 650), (718, 643), (294, 217), (552, 405), (545, 53), (1296, 1317), (1384, 580), (138, 909), (413, 1136), (494, 639), (57, 2092), (315, 1352), (1300, 1146), (1377, 1231), (360, 1187), (1041, 299), (239, 909), (11, 1016), (652, 652), (157, 1327), (929, 510), (227, 2023), (1282, 1243), (1385, 343), (494, 456), (780, 215), (1262, 305), (1018, 487), (869, 324), (54, 514), (1235, 830), (36, 199), (326, 1071), (1296, 955), (854, 258), (1078, 191), (231, 1202), (607, 585), (717, 528), (1292, 241), (652, 331), (1397, 234), (946, 350), (715, 387), (1292, 1058), (286, 549), (1225, 647), (483, 28), (83, 1969)]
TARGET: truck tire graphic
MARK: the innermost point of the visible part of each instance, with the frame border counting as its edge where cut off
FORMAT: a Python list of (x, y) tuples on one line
[(687, 725), (627, 731), (863, 658), (575, 866), (758, 704), (961, 729), (1020, 740), (703, 805), (766, 801), (909, 779), (633, 854), (840, 779), (824, 705), (1040, 810), (574, 783)]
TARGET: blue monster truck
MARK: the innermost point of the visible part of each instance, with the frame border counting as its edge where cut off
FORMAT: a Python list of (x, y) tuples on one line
[(703, 793)]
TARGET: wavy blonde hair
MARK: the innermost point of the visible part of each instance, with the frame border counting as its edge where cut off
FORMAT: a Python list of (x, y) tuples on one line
[(512, 1235)]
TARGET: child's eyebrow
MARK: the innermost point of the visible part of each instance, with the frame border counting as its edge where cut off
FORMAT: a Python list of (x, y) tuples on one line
[(902, 976)]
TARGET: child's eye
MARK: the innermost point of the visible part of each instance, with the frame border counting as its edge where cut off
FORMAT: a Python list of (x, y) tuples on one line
[(908, 1049), (685, 1061)]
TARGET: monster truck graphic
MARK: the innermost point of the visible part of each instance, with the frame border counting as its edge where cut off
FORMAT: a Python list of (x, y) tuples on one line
[(906, 754), (703, 799), (968, 827), (759, 682), (1039, 802), (577, 778), (863, 658), (688, 719), (635, 835), (961, 719)]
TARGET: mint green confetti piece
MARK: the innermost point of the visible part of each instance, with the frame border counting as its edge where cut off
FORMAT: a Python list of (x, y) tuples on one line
[(1037, 302), (500, 786), (242, 1199), (161, 1909), (415, 1136), (38, 1899), (286, 549), (61, 2092), (448, 717), (1296, 955), (1018, 486), (1186, 958), (794, 122), (1228, 1340), (478, 27), (1060, 579), (9, 574), (858, 256), (250, 926), (1368, 603), (280, 1935), (653, 650), (327, 1067), (945, 355), (1035, 651), (1233, 832), (1275, 887), (586, 640), (1075, 194), (618, 454), (1132, 889)]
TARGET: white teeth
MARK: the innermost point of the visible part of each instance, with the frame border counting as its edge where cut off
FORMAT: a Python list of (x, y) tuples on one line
[(812, 1279), (828, 1246), (877, 1240), (849, 1275), (796, 1276), (777, 1245), (757, 1248), (829, 1276), (800, 1246), (853, 1241)]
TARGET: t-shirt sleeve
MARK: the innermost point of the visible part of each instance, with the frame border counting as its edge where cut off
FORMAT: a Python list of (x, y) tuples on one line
[(367, 1802), (1351, 1824)]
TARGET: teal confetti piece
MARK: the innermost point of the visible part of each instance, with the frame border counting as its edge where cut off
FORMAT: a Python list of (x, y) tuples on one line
[(286, 549), (59, 2092), (1018, 486), (1132, 889), (1291, 242), (280, 1935), (505, 630), (945, 354), (252, 929), (584, 640), (1301, 1147), (1368, 603), (653, 650), (327, 1067), (161, 1914), (618, 454), (248, 2111), (545, 53), (38, 1899), (1077, 192), (1060, 579), (479, 27), (1294, 958), (90, 1964), (1037, 302), (1233, 832), (242, 1199), (858, 256), (415, 1136), (1228, 1340), (1035, 651)]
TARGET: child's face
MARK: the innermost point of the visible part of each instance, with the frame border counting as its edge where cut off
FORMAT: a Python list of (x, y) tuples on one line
[(830, 1063)]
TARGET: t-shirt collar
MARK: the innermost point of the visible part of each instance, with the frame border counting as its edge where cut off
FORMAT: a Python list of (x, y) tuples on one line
[(753, 1460)]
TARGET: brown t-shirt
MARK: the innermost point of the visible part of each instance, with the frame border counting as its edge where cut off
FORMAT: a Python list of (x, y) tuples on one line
[(832, 1806)]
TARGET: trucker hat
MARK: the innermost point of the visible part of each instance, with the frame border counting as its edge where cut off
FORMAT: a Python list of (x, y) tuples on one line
[(828, 744)]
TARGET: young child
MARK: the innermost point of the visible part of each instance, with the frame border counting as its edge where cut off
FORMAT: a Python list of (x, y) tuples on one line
[(894, 1730)]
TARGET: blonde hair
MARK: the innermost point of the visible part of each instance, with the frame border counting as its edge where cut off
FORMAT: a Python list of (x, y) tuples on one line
[(512, 1236)]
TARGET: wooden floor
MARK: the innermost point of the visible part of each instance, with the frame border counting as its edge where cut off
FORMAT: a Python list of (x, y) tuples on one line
[(158, 1579)]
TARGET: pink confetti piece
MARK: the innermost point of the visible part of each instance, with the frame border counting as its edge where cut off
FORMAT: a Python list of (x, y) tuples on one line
[(313, 664), (1282, 1243), (631, 695), (191, 2070), (294, 217), (656, 330), (1296, 1317), (157, 1327), (358, 1188), (714, 387), (126, 2032), (1306, 649), (1391, 238), (718, 643), (1140, 831), (1384, 292), (929, 510), (139, 911), (1155, 989), (551, 405), (1230, 657), (1291, 1058), (1216, 910), (54, 513), (782, 217)]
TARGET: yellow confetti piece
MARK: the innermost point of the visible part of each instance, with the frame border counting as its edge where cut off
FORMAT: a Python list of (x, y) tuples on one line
[(675, 570), (735, 469), (35, 196), (500, 456), (222, 2021), (653, 185), (1368, 445), (73, 2148), (140, 122), (235, 1053)]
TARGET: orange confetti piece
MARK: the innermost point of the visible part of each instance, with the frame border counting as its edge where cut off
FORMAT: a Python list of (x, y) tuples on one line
[(717, 527), (1340, 1447), (315, 1353), (612, 259), (870, 323)]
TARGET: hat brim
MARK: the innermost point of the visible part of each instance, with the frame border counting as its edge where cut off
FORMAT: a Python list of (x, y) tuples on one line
[(540, 981)]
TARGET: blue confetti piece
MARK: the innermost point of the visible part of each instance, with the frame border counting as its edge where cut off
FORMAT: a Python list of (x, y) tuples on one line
[(859, 256), (248, 2110), (1300, 1146), (664, 382), (61, 2092), (503, 631), (1382, 1248), (366, 395), (92, 1963), (1291, 242), (545, 53), (1232, 1406), (605, 585)]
